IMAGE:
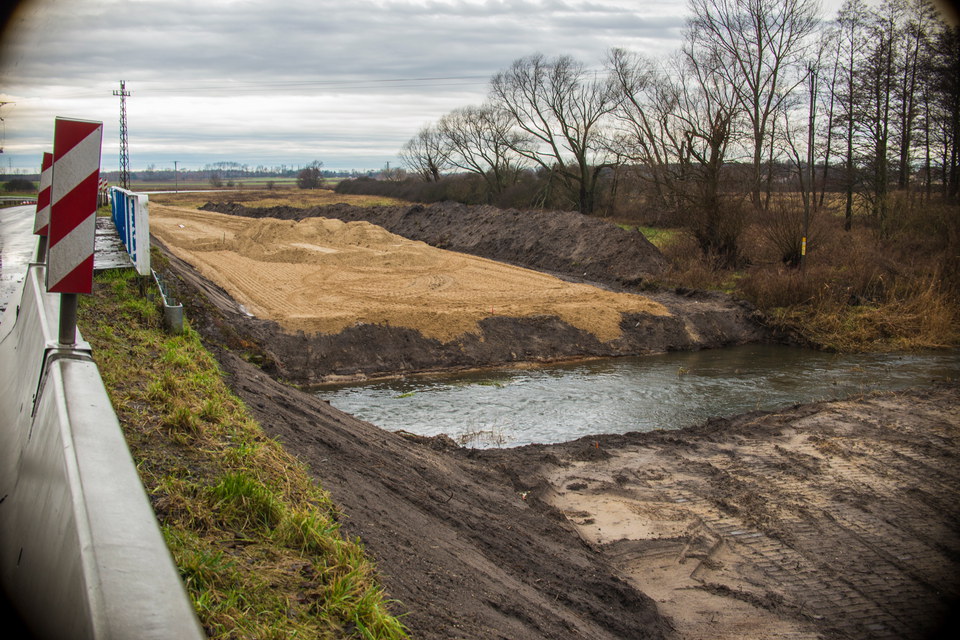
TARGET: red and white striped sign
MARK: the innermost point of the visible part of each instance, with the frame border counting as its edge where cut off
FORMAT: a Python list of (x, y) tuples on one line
[(43, 196), (73, 205)]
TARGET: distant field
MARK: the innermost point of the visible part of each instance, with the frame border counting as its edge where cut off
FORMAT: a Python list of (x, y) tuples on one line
[(258, 196), (235, 183)]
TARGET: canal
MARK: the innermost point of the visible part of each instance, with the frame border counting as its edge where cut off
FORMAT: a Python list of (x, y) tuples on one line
[(512, 407)]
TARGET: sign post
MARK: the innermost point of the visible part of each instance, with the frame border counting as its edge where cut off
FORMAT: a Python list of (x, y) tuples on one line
[(42, 219), (73, 210)]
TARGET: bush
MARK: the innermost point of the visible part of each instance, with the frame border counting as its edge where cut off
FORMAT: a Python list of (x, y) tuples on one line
[(310, 178), (19, 185)]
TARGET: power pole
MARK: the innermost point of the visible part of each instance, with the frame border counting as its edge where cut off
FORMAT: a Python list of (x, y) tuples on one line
[(124, 147)]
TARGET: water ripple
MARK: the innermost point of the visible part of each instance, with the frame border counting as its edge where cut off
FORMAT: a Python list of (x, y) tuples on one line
[(555, 404)]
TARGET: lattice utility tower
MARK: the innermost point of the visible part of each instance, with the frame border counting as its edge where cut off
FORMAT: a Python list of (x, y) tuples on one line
[(124, 147)]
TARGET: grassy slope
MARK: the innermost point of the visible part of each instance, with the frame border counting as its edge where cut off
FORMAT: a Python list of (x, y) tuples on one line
[(256, 540)]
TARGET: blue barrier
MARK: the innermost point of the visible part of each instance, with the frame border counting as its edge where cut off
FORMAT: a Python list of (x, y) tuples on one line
[(81, 554), (130, 214)]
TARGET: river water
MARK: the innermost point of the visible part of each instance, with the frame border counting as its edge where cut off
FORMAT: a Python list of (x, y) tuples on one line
[(512, 407)]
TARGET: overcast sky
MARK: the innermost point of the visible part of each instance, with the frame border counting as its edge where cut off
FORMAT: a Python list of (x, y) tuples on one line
[(277, 82)]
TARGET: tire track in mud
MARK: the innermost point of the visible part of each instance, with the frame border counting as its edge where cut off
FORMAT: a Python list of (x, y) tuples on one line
[(844, 524)]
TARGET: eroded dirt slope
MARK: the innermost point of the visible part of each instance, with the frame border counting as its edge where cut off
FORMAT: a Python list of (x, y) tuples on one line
[(833, 520), (457, 546)]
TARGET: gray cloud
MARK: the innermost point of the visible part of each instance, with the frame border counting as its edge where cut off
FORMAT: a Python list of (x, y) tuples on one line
[(352, 80)]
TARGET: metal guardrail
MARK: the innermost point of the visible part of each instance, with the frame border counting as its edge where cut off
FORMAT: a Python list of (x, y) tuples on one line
[(131, 216), (81, 554), (13, 201), (172, 308)]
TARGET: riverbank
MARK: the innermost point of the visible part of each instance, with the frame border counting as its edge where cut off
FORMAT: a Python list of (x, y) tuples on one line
[(256, 540), (831, 520)]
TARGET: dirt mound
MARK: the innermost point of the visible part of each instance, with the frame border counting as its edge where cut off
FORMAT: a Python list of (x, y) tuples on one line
[(443, 316), (321, 276), (562, 242)]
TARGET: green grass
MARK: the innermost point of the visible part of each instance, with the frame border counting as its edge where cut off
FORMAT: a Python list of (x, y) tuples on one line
[(256, 540), (658, 236)]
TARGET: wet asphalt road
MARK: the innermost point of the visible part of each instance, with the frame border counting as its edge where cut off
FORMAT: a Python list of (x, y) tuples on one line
[(18, 245)]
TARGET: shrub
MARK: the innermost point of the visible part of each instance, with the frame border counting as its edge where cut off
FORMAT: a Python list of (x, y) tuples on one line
[(19, 185), (311, 177)]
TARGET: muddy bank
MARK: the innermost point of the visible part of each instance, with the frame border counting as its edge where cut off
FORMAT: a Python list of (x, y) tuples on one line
[(558, 242), (833, 520), (457, 545)]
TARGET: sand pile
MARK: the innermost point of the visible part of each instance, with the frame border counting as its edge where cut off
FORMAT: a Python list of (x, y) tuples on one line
[(321, 276)]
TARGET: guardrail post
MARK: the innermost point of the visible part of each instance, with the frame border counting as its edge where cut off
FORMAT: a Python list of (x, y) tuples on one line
[(68, 319), (172, 309), (42, 249)]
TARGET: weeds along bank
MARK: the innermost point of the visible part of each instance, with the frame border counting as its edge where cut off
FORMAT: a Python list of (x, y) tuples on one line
[(256, 540), (887, 286)]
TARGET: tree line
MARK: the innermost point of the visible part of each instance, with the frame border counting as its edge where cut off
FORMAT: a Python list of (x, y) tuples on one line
[(763, 98)]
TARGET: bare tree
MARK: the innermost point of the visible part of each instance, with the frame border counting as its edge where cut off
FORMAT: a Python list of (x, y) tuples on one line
[(877, 79), (482, 140), (558, 106), (426, 154), (311, 176), (830, 52), (647, 132), (760, 44), (919, 22), (678, 125), (944, 65), (852, 36)]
